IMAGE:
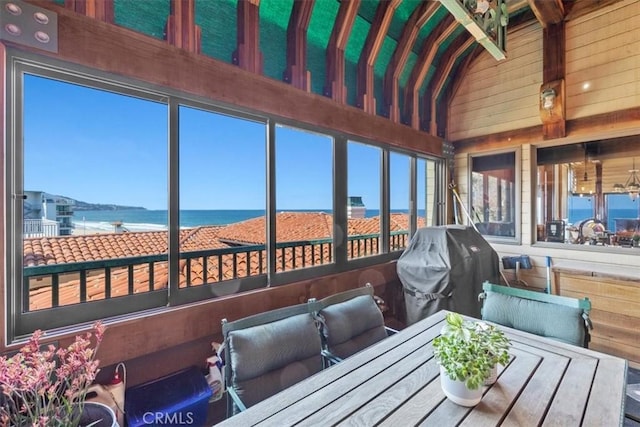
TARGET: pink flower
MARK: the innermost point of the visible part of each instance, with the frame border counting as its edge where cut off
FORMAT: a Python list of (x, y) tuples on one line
[(43, 387)]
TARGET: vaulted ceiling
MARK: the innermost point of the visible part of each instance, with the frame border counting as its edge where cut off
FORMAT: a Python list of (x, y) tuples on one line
[(398, 59)]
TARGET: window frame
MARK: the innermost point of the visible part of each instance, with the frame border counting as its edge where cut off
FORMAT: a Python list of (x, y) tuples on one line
[(563, 149), (21, 323), (517, 200)]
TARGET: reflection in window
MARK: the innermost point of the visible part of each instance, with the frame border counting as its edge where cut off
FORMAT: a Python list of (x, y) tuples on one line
[(304, 199), (582, 187), (493, 194), (363, 203), (212, 196)]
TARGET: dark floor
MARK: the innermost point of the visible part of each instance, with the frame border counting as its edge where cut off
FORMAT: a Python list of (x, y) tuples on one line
[(632, 404)]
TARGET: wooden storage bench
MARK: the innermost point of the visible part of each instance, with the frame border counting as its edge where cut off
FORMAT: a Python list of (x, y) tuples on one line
[(614, 292)]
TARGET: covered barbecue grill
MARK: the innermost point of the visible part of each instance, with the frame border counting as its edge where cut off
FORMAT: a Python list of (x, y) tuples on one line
[(443, 268)]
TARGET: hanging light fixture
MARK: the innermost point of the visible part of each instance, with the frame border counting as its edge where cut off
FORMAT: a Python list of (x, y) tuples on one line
[(584, 186), (632, 186)]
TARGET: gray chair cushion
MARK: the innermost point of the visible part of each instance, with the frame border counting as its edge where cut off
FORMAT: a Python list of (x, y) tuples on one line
[(352, 325), (268, 358), (545, 319)]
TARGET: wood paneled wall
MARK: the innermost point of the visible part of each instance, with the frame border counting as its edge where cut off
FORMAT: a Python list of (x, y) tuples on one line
[(602, 56), (607, 38), (602, 60), (497, 96)]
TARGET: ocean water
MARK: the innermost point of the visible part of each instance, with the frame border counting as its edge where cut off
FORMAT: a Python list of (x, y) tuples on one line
[(578, 215), (138, 219), (150, 220)]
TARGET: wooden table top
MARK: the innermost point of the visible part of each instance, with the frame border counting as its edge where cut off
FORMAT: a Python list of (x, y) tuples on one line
[(396, 383)]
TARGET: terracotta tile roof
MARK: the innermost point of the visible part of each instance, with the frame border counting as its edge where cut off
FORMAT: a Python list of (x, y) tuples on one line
[(67, 249), (291, 226), (298, 226)]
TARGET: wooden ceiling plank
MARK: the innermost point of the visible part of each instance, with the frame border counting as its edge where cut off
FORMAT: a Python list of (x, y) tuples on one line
[(441, 32), (438, 80), (247, 55), (335, 75), (547, 11), (372, 45), (296, 72), (401, 54)]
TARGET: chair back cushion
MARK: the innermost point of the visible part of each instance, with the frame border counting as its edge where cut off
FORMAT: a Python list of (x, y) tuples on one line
[(352, 325), (541, 318), (266, 359)]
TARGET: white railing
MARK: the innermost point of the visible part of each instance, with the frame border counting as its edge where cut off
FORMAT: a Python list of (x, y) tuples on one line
[(40, 228)]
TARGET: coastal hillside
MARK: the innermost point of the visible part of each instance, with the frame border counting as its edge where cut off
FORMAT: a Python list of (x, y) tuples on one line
[(84, 206)]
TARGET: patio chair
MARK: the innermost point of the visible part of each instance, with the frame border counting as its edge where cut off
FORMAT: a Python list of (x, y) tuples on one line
[(349, 322), (553, 316), (268, 352)]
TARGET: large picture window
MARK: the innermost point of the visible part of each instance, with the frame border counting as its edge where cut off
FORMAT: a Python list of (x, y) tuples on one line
[(129, 198), (304, 199), (587, 194)]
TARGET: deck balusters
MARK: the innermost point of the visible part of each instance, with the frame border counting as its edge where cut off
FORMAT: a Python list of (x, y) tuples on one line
[(358, 246)]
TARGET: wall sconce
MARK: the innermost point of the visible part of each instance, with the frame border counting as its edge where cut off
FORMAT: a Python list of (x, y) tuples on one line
[(551, 102), (29, 25), (548, 99)]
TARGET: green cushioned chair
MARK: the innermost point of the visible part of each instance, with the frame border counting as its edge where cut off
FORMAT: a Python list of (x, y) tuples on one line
[(561, 318), (268, 352), (349, 322)]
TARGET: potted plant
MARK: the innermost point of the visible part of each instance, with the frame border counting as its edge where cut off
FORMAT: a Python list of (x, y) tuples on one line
[(467, 352), (47, 387)]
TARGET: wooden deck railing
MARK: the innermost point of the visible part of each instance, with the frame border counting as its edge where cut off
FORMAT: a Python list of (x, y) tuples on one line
[(58, 285)]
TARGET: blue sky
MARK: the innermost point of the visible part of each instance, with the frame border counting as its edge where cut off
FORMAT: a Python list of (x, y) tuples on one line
[(101, 147)]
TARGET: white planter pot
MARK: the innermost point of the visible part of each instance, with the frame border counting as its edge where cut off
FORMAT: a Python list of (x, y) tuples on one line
[(458, 392), (493, 376)]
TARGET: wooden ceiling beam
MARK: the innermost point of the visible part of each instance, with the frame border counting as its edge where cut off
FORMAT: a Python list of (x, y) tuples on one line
[(418, 18), (247, 55), (114, 49), (296, 72), (548, 11), (101, 10), (181, 28), (335, 87), (365, 90), (430, 47), (436, 85), (553, 74), (582, 128)]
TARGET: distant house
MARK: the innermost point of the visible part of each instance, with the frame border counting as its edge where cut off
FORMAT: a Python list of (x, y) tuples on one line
[(46, 215), (356, 207)]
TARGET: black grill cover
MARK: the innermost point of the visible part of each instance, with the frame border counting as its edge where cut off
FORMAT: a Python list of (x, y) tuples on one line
[(443, 268)]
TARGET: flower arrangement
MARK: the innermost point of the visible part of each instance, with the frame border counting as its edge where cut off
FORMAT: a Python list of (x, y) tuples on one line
[(48, 387), (469, 350)]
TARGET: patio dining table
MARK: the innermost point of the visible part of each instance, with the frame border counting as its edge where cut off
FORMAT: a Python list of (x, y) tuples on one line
[(396, 383)]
